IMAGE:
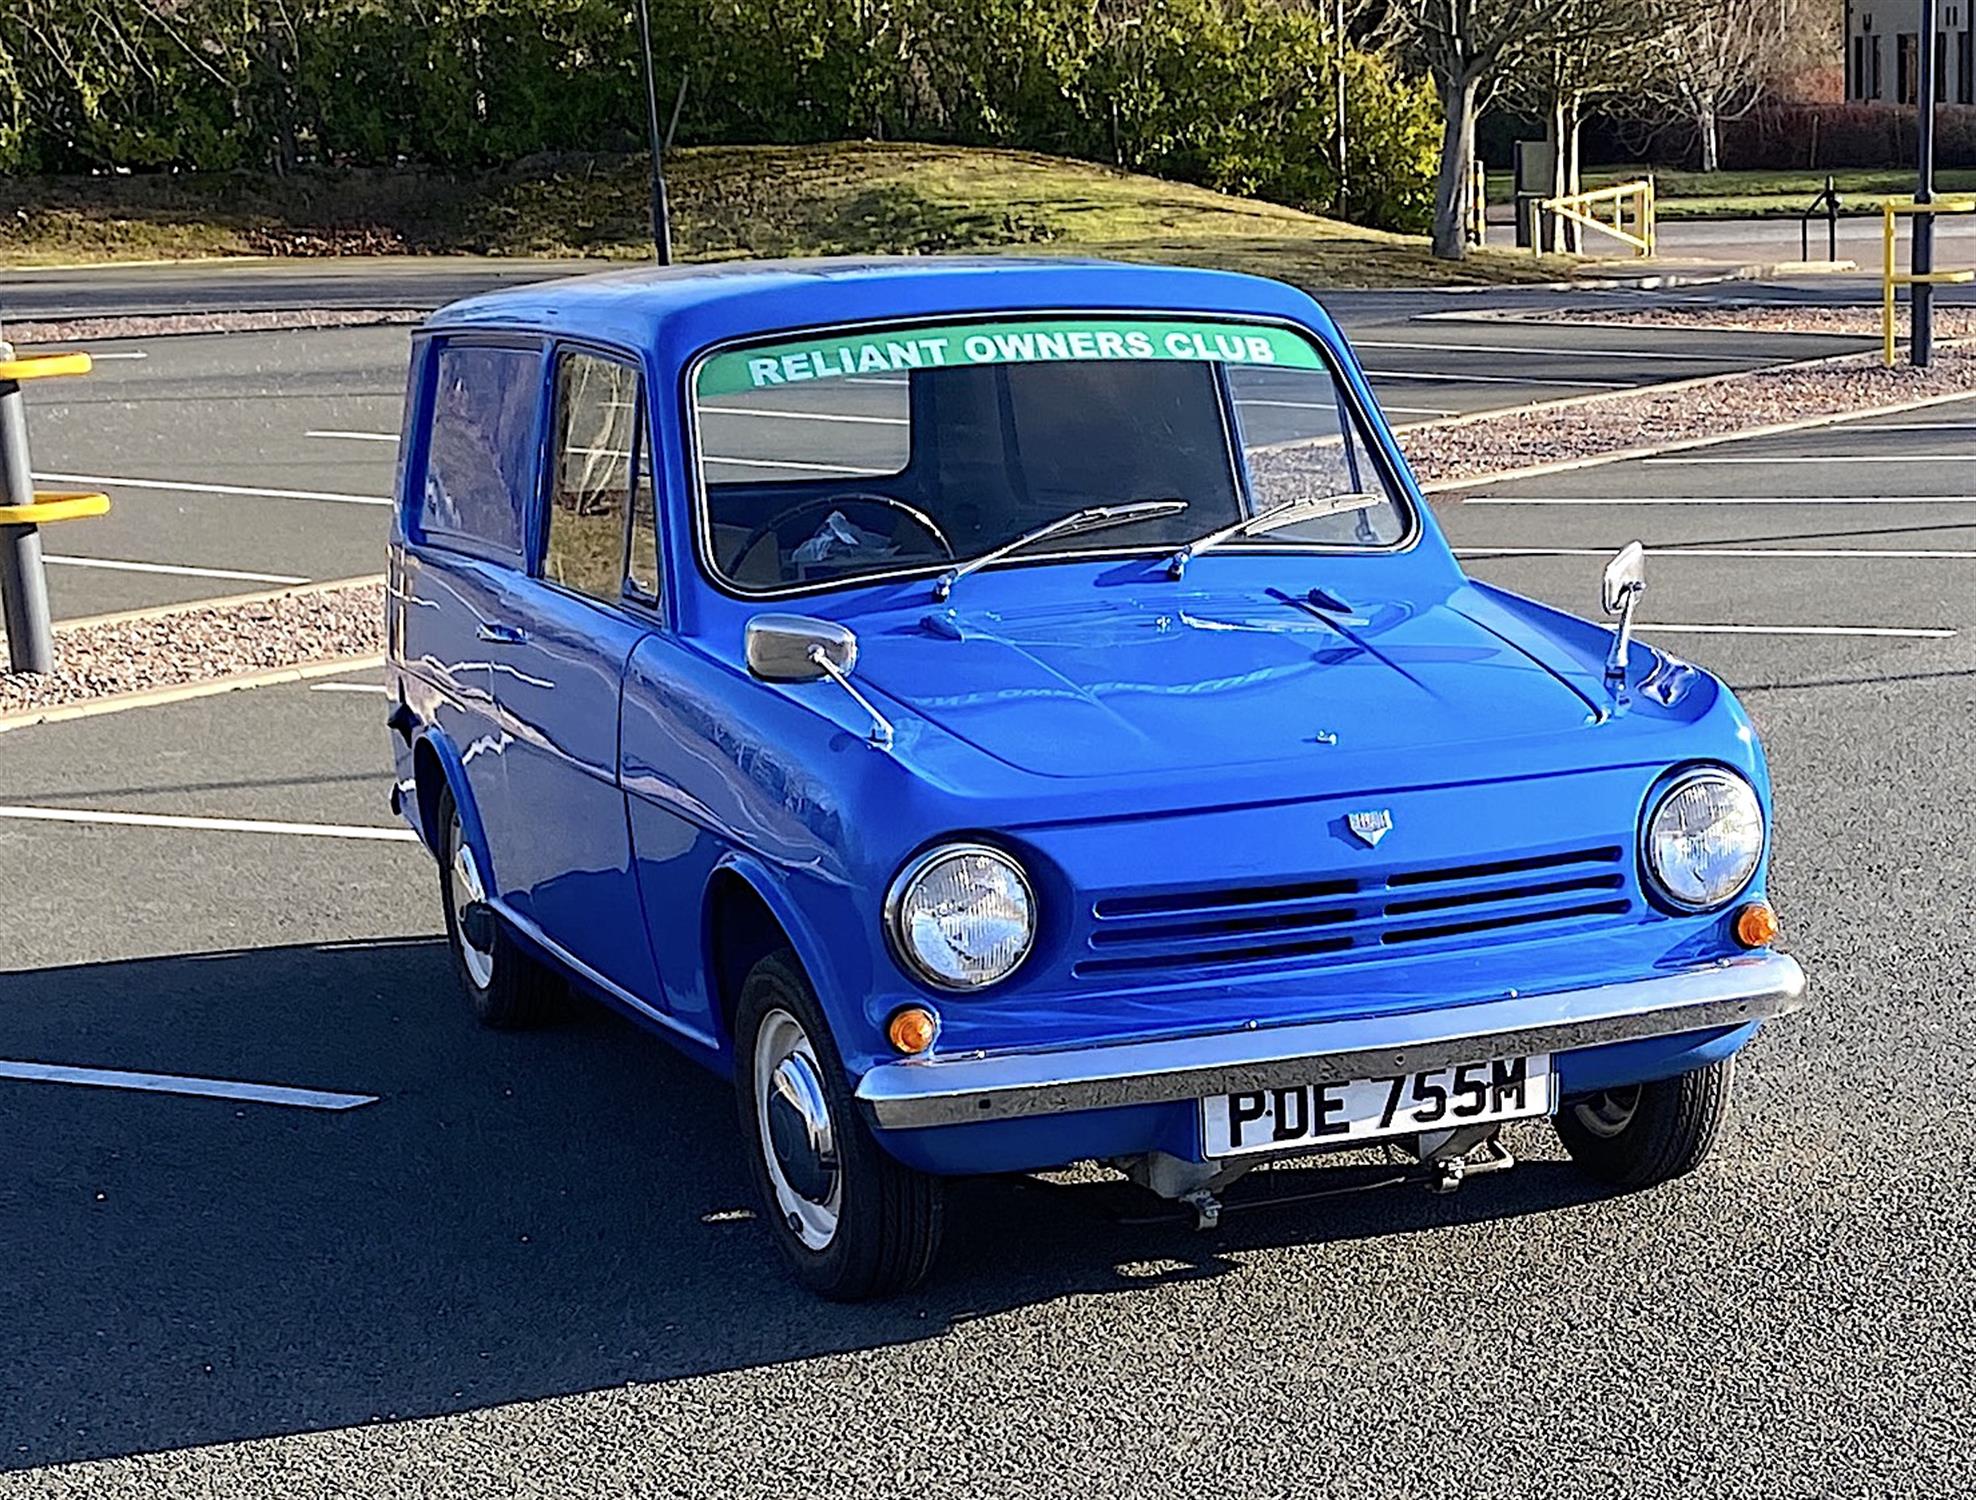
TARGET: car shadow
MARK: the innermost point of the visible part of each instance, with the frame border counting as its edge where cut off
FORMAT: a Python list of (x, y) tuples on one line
[(516, 1216)]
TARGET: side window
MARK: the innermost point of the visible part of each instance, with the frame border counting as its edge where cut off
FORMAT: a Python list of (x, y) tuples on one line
[(603, 479), (480, 463)]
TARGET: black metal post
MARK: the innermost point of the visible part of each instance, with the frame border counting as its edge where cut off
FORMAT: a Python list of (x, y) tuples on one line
[(661, 210), (1922, 300), (1831, 219)]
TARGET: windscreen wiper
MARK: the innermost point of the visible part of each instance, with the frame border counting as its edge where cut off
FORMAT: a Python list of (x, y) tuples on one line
[(1314, 508), (1092, 518)]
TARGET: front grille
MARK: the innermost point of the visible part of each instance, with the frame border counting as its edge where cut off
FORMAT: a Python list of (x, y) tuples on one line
[(1235, 927)]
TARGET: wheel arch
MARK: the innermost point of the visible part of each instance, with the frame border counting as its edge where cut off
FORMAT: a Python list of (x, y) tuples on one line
[(437, 766), (747, 913)]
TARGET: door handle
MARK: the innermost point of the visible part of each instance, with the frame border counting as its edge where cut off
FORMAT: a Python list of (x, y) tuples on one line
[(501, 635)]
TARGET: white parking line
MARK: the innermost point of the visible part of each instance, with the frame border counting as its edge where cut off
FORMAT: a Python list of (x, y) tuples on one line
[(118, 354), (175, 569), (1821, 458), (348, 687), (187, 487), (355, 437), (803, 416), (1720, 500), (1905, 427), (1678, 550), (1576, 385), (783, 463), (176, 1083), (1332, 406), (1681, 354), (1901, 632), (399, 835)]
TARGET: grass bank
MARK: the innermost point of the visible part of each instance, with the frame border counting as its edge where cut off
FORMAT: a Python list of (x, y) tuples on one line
[(728, 202)]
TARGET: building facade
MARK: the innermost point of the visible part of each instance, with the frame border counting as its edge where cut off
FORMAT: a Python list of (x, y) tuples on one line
[(1883, 52)]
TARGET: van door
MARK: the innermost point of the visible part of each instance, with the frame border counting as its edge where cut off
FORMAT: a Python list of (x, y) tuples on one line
[(465, 528), (564, 633)]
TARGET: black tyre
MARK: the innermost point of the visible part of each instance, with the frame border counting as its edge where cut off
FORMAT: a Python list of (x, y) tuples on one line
[(509, 986), (1650, 1133), (852, 1222)]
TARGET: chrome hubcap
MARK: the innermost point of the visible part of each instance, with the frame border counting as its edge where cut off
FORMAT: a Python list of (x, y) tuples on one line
[(467, 888), (1607, 1114), (799, 1142)]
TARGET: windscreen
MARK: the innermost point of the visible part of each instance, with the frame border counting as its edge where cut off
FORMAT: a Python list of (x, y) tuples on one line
[(841, 457)]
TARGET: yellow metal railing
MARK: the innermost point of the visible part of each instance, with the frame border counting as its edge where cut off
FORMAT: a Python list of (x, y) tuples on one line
[(24, 510), (1583, 209), (1890, 212), (43, 505)]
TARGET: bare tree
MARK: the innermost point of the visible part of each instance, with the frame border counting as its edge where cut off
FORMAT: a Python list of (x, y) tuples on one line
[(1468, 46), (1717, 57), (1595, 49)]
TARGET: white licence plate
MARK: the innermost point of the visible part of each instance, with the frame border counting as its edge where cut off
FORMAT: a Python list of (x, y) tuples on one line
[(1299, 1116)]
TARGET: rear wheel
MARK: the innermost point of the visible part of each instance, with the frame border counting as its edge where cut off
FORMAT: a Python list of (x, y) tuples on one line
[(852, 1222), (509, 987), (1648, 1133)]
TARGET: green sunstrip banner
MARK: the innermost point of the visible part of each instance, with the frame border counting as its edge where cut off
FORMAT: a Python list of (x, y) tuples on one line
[(888, 351)]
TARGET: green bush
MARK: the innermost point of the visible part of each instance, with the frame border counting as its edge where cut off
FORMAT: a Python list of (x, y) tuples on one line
[(1239, 97), (1232, 94)]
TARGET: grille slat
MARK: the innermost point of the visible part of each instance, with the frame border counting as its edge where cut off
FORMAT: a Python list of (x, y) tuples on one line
[(1499, 890), (1309, 920)]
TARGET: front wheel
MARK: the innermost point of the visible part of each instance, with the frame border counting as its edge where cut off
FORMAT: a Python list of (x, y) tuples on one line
[(852, 1222), (1648, 1133)]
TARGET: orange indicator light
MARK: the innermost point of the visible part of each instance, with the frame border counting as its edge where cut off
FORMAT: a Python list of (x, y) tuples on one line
[(1756, 925), (912, 1029)]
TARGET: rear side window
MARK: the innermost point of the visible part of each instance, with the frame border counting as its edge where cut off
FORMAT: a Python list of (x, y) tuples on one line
[(602, 534), (480, 463)]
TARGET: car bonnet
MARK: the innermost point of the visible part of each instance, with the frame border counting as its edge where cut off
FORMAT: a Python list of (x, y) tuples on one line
[(1165, 680)]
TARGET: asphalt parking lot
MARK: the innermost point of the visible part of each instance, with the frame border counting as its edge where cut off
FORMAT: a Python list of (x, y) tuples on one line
[(488, 1263)]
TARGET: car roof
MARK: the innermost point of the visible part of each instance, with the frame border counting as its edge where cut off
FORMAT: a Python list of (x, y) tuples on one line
[(673, 312)]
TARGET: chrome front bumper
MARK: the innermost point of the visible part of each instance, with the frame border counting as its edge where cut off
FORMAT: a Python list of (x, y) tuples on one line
[(975, 1087)]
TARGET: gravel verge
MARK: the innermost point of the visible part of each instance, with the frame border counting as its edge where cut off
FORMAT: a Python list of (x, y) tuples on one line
[(1686, 413), (201, 643), (160, 325), (1950, 322)]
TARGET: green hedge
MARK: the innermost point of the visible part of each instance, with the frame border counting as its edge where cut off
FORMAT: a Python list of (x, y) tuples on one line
[(1232, 94)]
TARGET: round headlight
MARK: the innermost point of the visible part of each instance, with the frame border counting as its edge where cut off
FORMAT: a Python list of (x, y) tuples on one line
[(1703, 839), (962, 916)]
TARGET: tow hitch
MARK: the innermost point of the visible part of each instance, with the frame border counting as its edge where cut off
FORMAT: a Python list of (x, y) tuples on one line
[(1448, 1170)]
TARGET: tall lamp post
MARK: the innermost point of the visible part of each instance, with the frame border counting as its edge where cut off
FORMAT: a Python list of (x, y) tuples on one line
[(1338, 97), (1921, 308), (661, 210)]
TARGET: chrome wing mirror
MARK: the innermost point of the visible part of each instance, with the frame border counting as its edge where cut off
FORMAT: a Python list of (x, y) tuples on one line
[(1619, 591), (795, 648), (799, 648)]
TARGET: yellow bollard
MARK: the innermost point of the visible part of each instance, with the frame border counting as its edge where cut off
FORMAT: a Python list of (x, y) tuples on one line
[(1887, 281)]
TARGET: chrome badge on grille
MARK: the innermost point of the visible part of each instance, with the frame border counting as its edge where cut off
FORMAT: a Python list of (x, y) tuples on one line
[(1372, 826)]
